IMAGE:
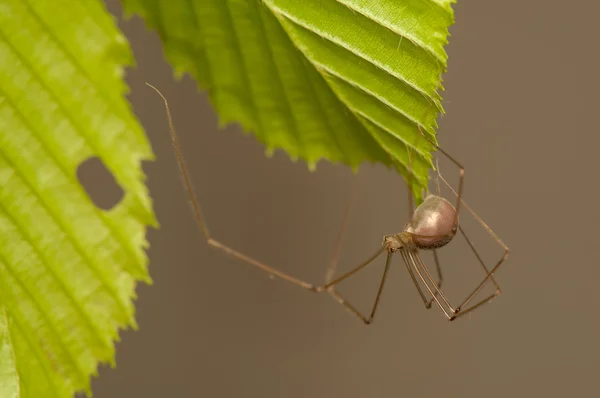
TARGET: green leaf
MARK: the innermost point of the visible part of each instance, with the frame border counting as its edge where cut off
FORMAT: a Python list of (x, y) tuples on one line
[(345, 80), (9, 378), (68, 270)]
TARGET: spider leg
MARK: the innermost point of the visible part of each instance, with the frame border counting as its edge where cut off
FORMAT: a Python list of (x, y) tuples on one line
[(336, 295), (481, 285), (350, 308), (409, 186), (481, 262), (411, 211), (410, 256), (489, 273), (439, 274), (419, 261), (461, 173), (407, 262), (437, 178), (415, 259), (453, 313), (348, 274), (335, 255), (479, 304), (411, 260), (479, 220), (199, 218)]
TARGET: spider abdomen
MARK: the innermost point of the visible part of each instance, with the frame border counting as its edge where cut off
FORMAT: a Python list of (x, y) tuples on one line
[(434, 223)]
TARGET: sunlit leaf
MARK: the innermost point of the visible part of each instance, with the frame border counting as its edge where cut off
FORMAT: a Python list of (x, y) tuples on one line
[(68, 270), (344, 80)]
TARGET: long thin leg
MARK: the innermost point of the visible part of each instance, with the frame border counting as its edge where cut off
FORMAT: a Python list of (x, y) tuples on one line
[(479, 220), (461, 173), (414, 279), (439, 273), (367, 320), (482, 284), (495, 268), (216, 244), (489, 274), (415, 254), (335, 255), (437, 180), (411, 177), (388, 261), (416, 268), (349, 307), (481, 262), (409, 187), (459, 311), (348, 274), (479, 304), (411, 215)]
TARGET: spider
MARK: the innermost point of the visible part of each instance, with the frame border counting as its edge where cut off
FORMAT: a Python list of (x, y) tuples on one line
[(432, 225)]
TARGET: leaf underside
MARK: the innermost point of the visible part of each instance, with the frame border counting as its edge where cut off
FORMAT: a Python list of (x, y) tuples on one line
[(68, 270), (344, 80)]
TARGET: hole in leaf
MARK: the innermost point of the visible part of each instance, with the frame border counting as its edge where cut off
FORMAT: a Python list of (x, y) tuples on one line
[(99, 183)]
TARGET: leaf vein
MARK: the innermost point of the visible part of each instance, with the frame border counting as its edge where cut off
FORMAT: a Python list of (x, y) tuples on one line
[(198, 25), (243, 65), (387, 130), (288, 108), (365, 90), (34, 347), (24, 233), (398, 32), (320, 109), (293, 19), (49, 323)]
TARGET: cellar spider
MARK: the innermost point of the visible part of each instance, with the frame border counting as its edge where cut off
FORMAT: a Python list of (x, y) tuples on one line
[(432, 225)]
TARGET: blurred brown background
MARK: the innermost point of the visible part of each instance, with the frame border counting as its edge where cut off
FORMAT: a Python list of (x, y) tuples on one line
[(522, 104)]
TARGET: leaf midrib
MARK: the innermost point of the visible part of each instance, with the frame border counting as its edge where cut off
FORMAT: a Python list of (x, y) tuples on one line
[(242, 59), (290, 115)]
